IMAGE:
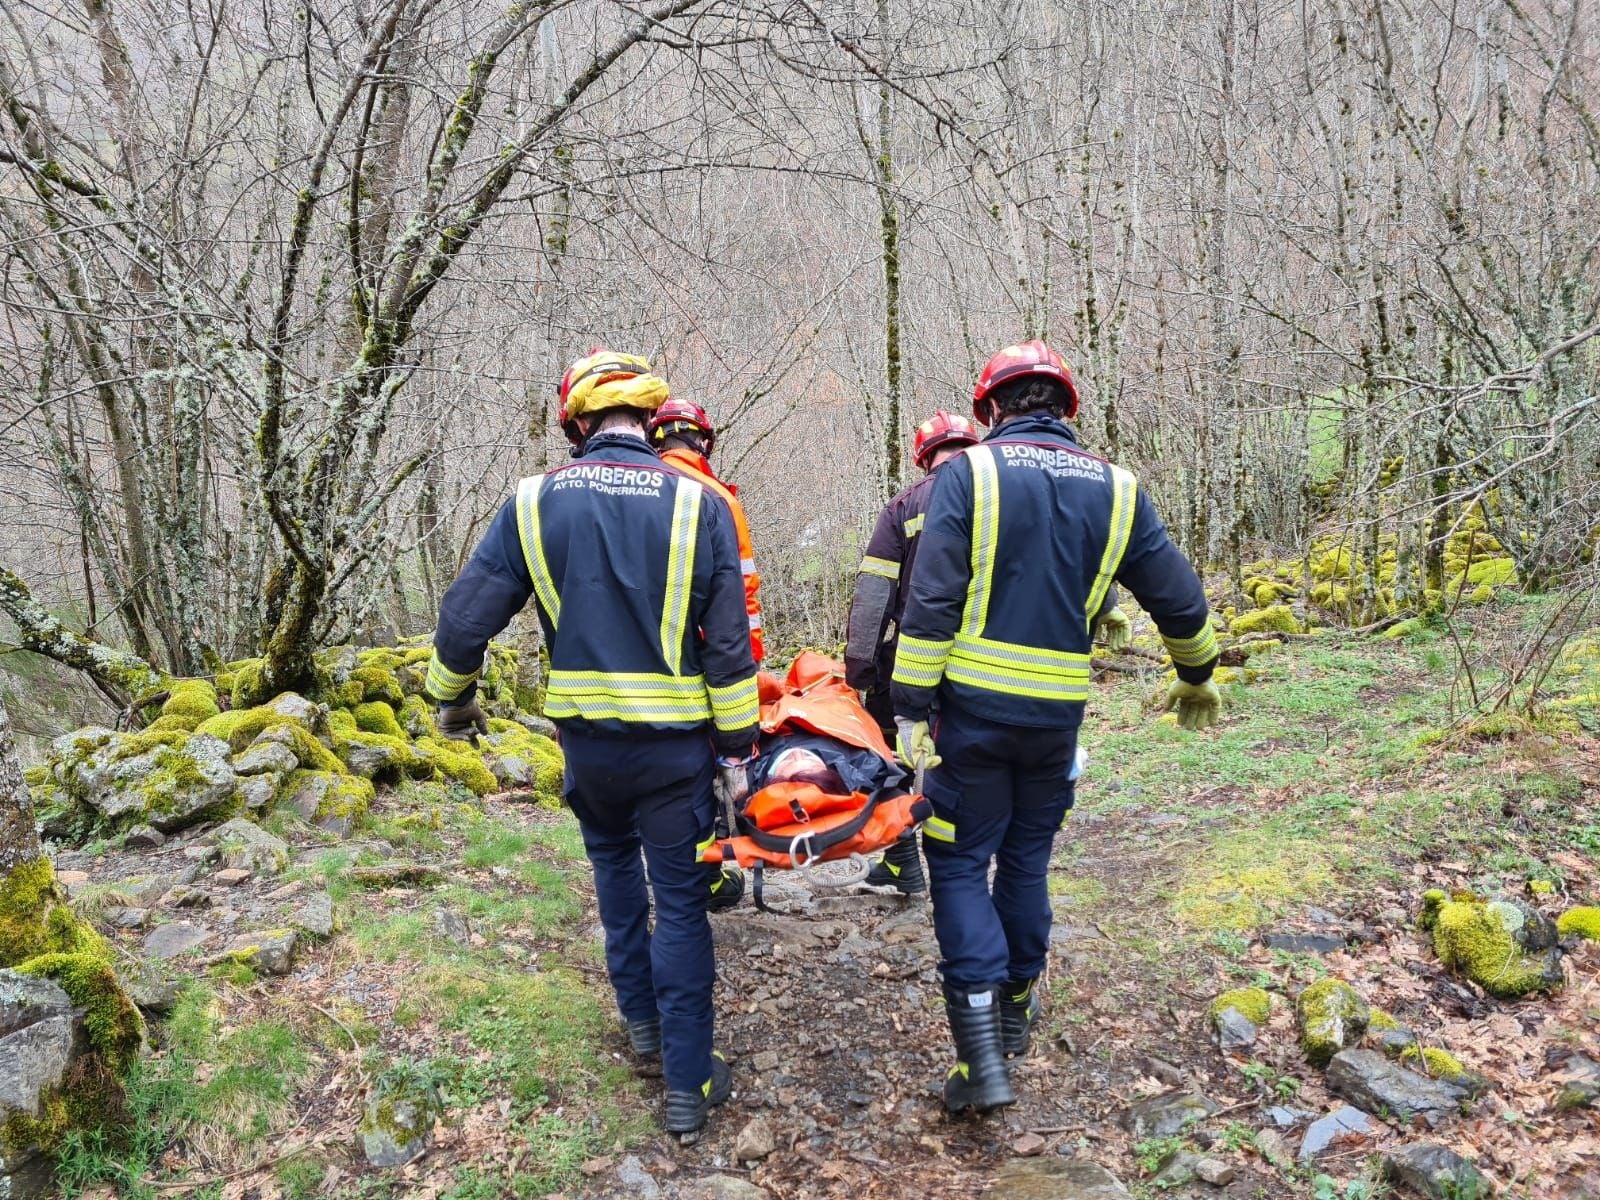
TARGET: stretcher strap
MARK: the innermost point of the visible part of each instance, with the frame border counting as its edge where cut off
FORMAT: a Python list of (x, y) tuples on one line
[(817, 844)]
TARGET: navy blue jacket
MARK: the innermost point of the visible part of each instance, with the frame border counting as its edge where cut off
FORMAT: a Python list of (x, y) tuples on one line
[(1023, 539), (635, 570)]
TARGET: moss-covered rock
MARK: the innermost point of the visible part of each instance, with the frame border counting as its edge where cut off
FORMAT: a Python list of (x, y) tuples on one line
[(1505, 948), (1332, 1017), (1582, 921), (1253, 1003), (1438, 1063), (1277, 618), (458, 761), (190, 702), (378, 716), (333, 801), (1381, 1021)]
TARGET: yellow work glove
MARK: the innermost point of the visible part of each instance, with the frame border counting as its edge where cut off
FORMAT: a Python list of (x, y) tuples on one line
[(914, 744), (1198, 704), (1114, 630)]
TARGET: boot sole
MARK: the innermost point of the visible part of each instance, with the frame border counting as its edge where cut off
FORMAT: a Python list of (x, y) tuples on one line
[(985, 1101)]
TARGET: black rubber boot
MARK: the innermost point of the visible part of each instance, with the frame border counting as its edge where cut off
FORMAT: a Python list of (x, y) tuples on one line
[(645, 1037), (727, 887), (686, 1112), (1019, 1010), (979, 1079), (900, 867)]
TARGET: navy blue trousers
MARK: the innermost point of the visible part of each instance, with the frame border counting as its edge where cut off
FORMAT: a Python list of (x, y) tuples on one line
[(652, 793), (999, 795)]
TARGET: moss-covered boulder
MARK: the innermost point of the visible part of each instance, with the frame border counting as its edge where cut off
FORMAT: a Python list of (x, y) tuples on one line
[(1332, 1017), (1582, 921), (42, 938), (170, 779), (1506, 948), (1275, 618), (330, 800)]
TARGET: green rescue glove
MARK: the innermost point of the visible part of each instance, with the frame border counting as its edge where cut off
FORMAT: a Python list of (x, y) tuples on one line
[(914, 744), (1114, 630), (1198, 704), (463, 722)]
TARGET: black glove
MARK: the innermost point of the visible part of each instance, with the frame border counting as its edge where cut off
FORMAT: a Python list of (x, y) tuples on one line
[(740, 743), (463, 722)]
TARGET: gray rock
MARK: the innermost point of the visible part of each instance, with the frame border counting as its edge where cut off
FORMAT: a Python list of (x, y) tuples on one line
[(26, 1175), (1055, 1179), (246, 846), (1332, 1016), (145, 891), (510, 770), (632, 1175), (1274, 1147), (127, 918), (1581, 1088), (144, 837), (270, 950), (255, 793), (1395, 1042), (1215, 1172), (36, 1041), (1285, 1118), (184, 896), (369, 759), (1166, 1114), (297, 708), (453, 925), (1303, 943), (1370, 1081), (755, 1141), (315, 915), (397, 1123), (1176, 1169), (1436, 1172), (170, 787), (266, 756), (310, 791), (169, 941), (148, 989), (721, 1187), (1340, 1124), (1234, 1030)]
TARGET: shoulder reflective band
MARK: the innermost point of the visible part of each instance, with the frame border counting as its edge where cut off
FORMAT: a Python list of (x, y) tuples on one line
[(544, 586), (1193, 651), (913, 525), (1124, 500), (985, 533), (445, 684), (920, 663), (939, 829), (680, 571), (737, 706), (887, 567), (635, 697)]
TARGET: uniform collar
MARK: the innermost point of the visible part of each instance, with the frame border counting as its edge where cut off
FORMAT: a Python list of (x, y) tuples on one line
[(1033, 423), (614, 441)]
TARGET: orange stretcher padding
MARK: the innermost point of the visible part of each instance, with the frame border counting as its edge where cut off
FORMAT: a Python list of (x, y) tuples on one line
[(815, 697)]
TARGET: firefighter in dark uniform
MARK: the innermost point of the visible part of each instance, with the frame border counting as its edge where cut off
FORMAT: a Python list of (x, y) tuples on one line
[(635, 570), (1024, 536), (879, 604)]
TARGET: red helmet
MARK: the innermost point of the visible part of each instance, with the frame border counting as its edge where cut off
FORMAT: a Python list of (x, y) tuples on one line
[(940, 430), (1017, 362), (676, 415)]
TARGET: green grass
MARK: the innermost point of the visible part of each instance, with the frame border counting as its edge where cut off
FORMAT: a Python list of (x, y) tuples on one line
[(215, 1089)]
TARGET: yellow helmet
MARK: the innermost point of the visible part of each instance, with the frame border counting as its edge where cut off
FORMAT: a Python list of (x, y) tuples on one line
[(605, 379)]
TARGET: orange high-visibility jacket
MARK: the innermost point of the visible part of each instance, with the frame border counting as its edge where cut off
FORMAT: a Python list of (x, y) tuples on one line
[(699, 466)]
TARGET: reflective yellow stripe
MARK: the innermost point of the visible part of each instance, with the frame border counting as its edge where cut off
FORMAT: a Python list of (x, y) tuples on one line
[(445, 684), (1011, 681), (985, 533), (939, 829), (1193, 651), (639, 697), (1124, 500), (913, 525), (736, 706), (544, 585), (680, 571), (701, 847), (920, 663), (886, 567), (1039, 659)]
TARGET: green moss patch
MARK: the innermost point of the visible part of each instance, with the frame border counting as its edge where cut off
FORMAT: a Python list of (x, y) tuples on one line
[(1253, 1003), (1583, 921), (1332, 1016), (1480, 940)]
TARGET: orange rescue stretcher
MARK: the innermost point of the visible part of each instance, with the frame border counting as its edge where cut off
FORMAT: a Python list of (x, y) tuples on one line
[(853, 801)]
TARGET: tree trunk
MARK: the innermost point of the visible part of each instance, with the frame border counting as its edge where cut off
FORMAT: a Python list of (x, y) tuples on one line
[(894, 416), (19, 836)]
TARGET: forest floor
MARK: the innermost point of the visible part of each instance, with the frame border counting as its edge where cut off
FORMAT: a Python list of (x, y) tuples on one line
[(1324, 805)]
